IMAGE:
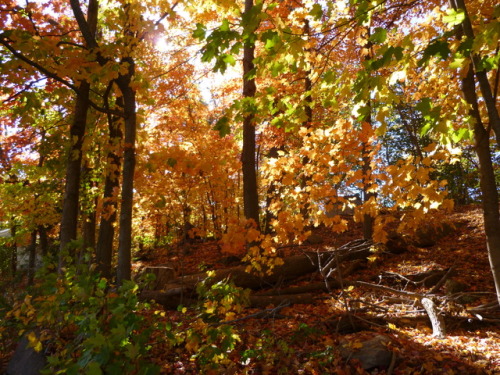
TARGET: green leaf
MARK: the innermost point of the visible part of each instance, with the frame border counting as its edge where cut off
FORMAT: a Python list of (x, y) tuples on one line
[(271, 38), (93, 368), (225, 25), (379, 36), (458, 62), (454, 17), (438, 49), (488, 63), (460, 134), (171, 162), (228, 59), (222, 126), (200, 31), (424, 106), (329, 76), (316, 12)]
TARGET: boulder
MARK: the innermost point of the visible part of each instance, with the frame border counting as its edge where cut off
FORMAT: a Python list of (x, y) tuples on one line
[(26, 361), (373, 353)]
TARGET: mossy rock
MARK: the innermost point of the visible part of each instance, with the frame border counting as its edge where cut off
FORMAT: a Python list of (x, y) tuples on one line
[(430, 235)]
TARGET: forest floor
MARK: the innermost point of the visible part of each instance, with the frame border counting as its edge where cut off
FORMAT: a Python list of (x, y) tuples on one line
[(306, 339)]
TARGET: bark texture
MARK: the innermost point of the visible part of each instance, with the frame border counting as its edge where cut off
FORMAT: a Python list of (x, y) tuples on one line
[(248, 156)]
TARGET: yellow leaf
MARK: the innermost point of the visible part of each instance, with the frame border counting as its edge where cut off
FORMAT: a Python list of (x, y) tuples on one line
[(392, 326), (357, 345)]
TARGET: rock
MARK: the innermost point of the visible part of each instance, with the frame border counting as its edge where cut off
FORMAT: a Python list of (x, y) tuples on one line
[(396, 244), (164, 274), (428, 236), (230, 260), (453, 286), (428, 278), (314, 239), (374, 353), (26, 361)]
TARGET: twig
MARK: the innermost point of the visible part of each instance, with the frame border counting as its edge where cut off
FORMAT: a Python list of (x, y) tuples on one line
[(386, 289), (371, 304), (267, 313), (393, 363), (443, 280)]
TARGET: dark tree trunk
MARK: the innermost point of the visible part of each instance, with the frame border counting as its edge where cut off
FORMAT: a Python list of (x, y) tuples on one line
[(125, 233), (32, 257), (69, 220), (44, 240), (489, 96), (487, 180), (89, 219), (307, 124), (13, 258), (104, 248), (272, 193), (250, 192), (368, 219)]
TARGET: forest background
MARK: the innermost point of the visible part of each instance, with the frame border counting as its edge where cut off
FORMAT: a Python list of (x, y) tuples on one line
[(132, 125)]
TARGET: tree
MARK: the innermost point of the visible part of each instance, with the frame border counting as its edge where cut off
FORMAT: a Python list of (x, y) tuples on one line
[(248, 156)]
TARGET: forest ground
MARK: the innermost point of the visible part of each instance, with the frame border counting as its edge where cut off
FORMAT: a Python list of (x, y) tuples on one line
[(469, 348), (305, 339)]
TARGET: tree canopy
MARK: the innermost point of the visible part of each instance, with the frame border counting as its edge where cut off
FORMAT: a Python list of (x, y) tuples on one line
[(127, 125)]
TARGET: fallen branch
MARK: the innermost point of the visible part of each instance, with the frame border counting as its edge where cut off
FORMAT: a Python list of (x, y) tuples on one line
[(264, 314), (443, 280), (438, 328)]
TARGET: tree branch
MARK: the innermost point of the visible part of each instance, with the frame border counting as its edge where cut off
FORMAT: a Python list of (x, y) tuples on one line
[(87, 34)]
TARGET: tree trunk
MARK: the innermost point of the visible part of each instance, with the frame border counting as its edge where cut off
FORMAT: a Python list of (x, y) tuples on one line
[(127, 198), (250, 192), (104, 248), (13, 257), (368, 219), (304, 182), (44, 240), (89, 216), (32, 258), (487, 180), (69, 220), (489, 96)]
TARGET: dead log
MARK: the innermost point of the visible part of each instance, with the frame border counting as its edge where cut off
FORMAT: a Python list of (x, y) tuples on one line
[(288, 299), (438, 328), (171, 293), (308, 288), (293, 267), (164, 274), (170, 300)]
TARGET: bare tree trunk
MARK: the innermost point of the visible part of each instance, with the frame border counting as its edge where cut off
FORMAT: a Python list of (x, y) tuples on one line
[(481, 75), (44, 240), (487, 180), (13, 258), (307, 124), (127, 198), (69, 220), (250, 192), (104, 248), (89, 217), (32, 257), (368, 219)]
